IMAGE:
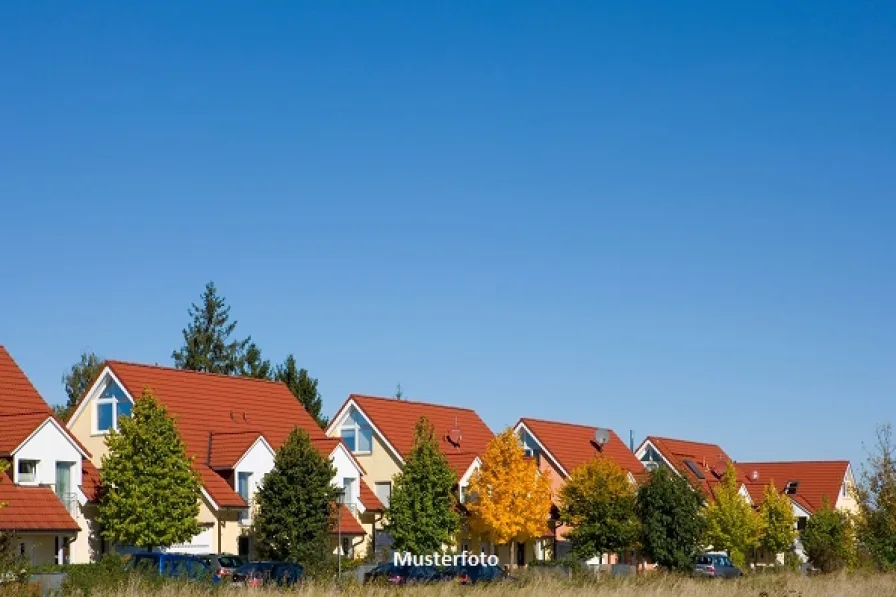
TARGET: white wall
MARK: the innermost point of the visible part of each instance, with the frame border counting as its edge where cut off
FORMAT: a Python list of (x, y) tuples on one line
[(258, 460), (48, 446), (346, 468)]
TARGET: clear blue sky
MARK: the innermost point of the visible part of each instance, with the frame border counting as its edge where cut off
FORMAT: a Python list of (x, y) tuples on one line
[(657, 216)]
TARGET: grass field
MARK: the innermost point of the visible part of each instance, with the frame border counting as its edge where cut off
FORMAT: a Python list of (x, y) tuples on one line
[(842, 585)]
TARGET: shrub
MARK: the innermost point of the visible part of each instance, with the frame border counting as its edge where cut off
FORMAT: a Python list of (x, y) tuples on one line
[(106, 574)]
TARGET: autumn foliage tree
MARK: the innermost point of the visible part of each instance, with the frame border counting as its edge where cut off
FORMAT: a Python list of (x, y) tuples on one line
[(509, 499), (731, 523), (598, 502), (776, 515)]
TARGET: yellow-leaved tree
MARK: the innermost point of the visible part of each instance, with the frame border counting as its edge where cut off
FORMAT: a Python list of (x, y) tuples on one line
[(509, 499)]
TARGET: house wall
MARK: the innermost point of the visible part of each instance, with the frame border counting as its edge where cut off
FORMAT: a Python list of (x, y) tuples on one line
[(83, 424), (40, 548), (49, 446), (848, 502)]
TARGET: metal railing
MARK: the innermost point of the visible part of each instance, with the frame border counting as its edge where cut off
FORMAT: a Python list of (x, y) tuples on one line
[(69, 501)]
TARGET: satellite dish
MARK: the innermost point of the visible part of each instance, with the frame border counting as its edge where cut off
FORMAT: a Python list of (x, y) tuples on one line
[(601, 437), (754, 475)]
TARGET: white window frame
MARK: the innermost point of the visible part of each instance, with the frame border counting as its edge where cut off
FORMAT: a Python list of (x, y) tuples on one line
[(349, 425), (379, 484), (35, 478), (102, 400), (245, 517)]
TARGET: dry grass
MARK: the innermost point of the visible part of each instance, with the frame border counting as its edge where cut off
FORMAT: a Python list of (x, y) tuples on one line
[(858, 585)]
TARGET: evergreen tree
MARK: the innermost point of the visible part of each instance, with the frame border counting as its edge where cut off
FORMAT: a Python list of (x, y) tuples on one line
[(732, 524), (876, 494), (777, 522), (151, 493), (296, 505), (207, 339), (253, 365), (598, 501), (303, 387), (77, 381), (421, 515), (510, 500), (828, 539), (671, 524)]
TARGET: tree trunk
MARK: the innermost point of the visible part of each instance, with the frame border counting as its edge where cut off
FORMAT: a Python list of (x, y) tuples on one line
[(513, 555)]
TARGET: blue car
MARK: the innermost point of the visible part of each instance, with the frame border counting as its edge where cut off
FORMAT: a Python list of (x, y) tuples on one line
[(172, 565)]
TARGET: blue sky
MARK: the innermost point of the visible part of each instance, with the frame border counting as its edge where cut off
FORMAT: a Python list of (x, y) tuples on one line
[(665, 217)]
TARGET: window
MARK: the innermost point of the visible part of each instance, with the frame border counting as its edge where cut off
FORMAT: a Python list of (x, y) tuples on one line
[(844, 490), (111, 404), (347, 496), (27, 471), (383, 491), (243, 480), (357, 433), (64, 483), (347, 547), (801, 523), (791, 487)]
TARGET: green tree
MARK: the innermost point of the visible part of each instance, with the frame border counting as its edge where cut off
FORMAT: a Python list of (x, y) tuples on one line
[(296, 505), (876, 495), (598, 501), (303, 387), (671, 524), (731, 523), (207, 339), (421, 515), (828, 539), (77, 381), (253, 365), (777, 521), (151, 493)]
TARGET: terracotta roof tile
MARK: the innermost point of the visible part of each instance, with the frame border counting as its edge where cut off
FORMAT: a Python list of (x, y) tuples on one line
[(204, 403), (348, 524), (368, 498), (326, 445), (90, 480), (32, 509), (709, 459), (396, 420), (572, 445), (17, 394), (228, 448), (17, 427), (815, 480)]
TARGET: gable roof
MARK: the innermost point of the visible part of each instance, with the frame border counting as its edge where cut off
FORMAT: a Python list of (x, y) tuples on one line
[(32, 508), (226, 449), (395, 420), (571, 445), (368, 498), (17, 394), (815, 480), (210, 403), (17, 427), (707, 461), (90, 480)]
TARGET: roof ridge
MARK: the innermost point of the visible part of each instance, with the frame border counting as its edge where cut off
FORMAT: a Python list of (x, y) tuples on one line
[(433, 404), (758, 462), (686, 441), (235, 432), (190, 371), (523, 419)]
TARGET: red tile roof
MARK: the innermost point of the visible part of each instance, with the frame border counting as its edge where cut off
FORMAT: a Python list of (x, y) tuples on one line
[(326, 445), (348, 524), (369, 499), (396, 420), (227, 448), (204, 403), (32, 509), (815, 480), (90, 480), (17, 427), (709, 459), (17, 394), (572, 445)]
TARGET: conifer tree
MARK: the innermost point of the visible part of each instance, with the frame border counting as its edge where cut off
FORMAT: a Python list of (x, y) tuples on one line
[(421, 515), (253, 365), (77, 381), (732, 524), (671, 525), (296, 505), (150, 492), (510, 500), (598, 502), (303, 387), (207, 339), (777, 521)]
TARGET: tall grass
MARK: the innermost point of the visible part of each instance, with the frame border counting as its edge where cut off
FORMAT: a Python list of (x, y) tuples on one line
[(772, 585)]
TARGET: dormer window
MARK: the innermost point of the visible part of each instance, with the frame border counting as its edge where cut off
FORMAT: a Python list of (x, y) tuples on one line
[(27, 471), (111, 405), (791, 487), (357, 434)]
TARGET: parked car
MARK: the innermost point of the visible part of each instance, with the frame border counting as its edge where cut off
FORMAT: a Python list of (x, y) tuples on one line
[(471, 575), (716, 565), (171, 565), (223, 564), (391, 574), (266, 574)]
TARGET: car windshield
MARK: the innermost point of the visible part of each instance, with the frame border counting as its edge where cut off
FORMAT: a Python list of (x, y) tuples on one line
[(230, 561)]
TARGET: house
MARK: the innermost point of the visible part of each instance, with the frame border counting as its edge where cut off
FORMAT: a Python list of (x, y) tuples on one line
[(379, 432), (232, 427), (43, 487), (558, 449)]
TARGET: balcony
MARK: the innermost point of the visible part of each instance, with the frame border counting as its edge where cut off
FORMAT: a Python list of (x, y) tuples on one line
[(70, 501)]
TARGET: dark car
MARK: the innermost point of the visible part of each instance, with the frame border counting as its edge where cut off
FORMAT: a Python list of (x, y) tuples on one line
[(471, 575), (223, 564), (171, 565), (265, 574), (391, 574), (716, 565)]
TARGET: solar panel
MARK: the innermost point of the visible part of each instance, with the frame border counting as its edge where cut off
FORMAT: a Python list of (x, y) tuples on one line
[(694, 468)]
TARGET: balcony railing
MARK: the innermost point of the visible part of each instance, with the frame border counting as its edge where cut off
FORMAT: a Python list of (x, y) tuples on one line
[(70, 501)]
